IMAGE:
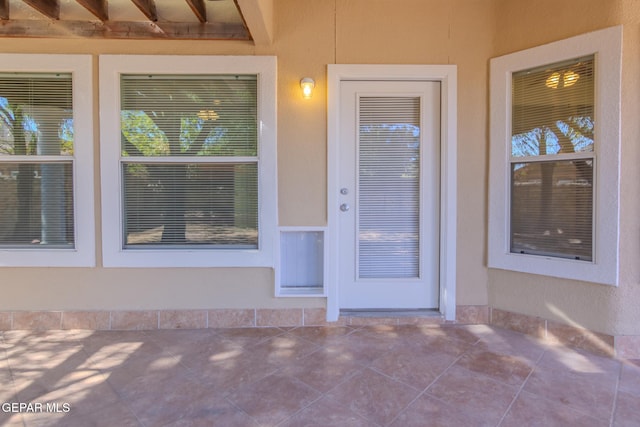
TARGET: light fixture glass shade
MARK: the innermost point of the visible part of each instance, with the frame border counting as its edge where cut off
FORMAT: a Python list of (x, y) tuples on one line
[(307, 84), (564, 79), (570, 78), (553, 80)]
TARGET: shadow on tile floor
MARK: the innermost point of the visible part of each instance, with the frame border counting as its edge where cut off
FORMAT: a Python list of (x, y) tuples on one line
[(400, 376)]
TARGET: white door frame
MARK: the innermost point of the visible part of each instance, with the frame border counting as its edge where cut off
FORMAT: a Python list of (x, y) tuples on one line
[(447, 76)]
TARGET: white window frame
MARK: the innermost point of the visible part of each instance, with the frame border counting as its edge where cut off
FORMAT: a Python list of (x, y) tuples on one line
[(113, 252), (606, 45), (83, 253)]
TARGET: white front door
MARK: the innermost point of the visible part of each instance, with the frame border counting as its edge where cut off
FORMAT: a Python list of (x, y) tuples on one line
[(389, 182)]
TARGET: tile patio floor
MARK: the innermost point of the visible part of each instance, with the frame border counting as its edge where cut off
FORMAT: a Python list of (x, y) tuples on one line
[(400, 376)]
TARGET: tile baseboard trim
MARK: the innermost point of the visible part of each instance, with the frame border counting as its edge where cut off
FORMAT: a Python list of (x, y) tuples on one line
[(104, 320), (559, 333), (626, 346)]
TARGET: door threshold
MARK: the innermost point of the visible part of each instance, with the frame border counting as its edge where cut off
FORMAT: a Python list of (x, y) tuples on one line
[(390, 313)]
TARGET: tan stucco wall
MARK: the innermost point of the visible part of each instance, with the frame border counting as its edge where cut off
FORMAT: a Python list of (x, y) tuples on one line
[(308, 35), (524, 24)]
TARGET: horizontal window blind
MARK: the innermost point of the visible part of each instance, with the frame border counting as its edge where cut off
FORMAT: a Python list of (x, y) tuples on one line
[(552, 198), (195, 116), (209, 200), (36, 114), (551, 206), (36, 160), (553, 109), (191, 204), (389, 187)]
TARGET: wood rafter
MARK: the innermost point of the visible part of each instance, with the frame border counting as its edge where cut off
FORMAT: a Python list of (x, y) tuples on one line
[(148, 8), (198, 8), (101, 25), (4, 9), (49, 8), (122, 30), (97, 7)]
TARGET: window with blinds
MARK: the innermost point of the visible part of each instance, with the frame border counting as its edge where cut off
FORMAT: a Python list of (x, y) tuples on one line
[(389, 187), (189, 161), (36, 161), (552, 160)]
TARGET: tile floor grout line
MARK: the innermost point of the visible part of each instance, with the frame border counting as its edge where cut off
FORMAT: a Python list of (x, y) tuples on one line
[(230, 402), (301, 409), (569, 405), (424, 391), (276, 371), (392, 378), (615, 397), (111, 386), (362, 417), (513, 401), (11, 374), (407, 406), (325, 394)]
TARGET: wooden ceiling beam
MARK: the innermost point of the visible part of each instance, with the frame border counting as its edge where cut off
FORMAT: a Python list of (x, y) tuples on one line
[(148, 8), (4, 9), (199, 9), (97, 7), (122, 30), (258, 18), (49, 8)]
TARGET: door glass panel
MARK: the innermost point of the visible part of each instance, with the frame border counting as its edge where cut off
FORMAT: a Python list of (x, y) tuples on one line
[(389, 187)]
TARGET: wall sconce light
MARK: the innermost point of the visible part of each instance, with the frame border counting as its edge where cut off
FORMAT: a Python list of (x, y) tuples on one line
[(307, 84), (565, 79)]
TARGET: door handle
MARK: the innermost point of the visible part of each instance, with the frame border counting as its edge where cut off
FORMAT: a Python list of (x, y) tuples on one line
[(344, 207)]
